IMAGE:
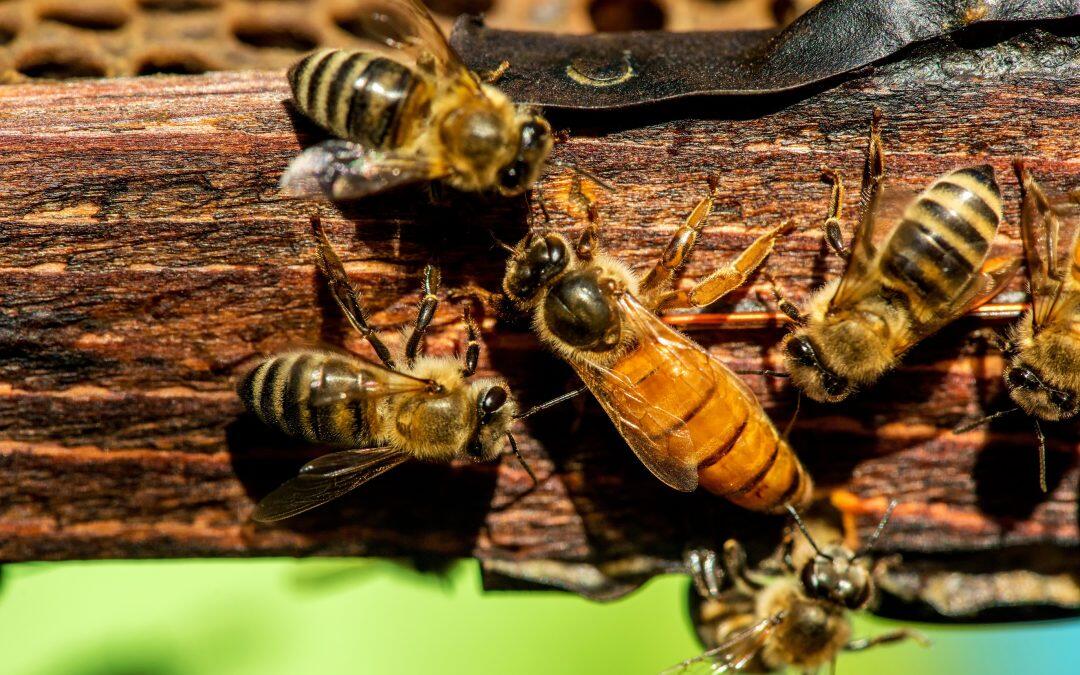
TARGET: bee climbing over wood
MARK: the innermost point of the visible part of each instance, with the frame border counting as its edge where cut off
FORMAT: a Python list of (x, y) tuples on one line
[(685, 415), (426, 408), (1043, 347), (931, 270), (413, 112)]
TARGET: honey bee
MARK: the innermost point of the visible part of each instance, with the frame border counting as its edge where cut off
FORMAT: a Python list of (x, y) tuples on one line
[(932, 269), (687, 417), (1043, 348), (798, 618), (427, 409), (413, 114)]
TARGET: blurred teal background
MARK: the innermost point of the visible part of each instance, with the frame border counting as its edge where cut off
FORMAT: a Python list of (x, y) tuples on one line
[(329, 616)]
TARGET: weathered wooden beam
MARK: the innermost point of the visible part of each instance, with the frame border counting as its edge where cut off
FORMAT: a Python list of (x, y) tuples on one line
[(146, 256)]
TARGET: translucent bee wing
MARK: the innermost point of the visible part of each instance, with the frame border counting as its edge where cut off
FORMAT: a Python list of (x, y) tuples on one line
[(406, 26), (368, 381), (340, 170), (995, 274), (325, 479), (668, 453), (733, 653), (1052, 251)]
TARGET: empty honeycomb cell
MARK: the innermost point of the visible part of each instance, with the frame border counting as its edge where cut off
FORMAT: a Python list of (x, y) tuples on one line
[(624, 15), (278, 35), (172, 62), (88, 16), (58, 64), (178, 6)]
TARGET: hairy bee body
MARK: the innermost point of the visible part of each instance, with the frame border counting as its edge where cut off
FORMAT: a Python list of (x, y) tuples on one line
[(361, 96), (284, 392), (686, 416), (938, 247), (279, 391), (930, 270)]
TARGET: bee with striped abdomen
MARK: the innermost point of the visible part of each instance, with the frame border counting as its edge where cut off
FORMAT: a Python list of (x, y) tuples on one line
[(795, 617), (688, 418), (415, 113), (426, 409), (932, 269), (1043, 348)]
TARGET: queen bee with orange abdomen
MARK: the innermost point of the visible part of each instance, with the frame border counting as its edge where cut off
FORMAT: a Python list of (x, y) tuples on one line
[(688, 418)]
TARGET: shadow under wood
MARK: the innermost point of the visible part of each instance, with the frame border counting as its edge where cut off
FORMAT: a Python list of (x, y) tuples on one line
[(416, 508), (1006, 473)]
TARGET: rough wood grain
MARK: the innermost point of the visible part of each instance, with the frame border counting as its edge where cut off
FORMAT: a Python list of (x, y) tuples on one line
[(145, 256)]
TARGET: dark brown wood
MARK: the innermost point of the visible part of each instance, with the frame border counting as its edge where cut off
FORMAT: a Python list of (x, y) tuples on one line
[(145, 257)]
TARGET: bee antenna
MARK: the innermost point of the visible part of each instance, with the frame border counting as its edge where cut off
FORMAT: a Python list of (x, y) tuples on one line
[(794, 415), (877, 532), (547, 404), (499, 242), (517, 453), (806, 532), (583, 172), (968, 426), (763, 371), (1042, 453)]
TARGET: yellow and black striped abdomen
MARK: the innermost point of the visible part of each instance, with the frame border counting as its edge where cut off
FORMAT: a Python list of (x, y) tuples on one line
[(735, 448), (280, 392), (943, 238), (360, 96)]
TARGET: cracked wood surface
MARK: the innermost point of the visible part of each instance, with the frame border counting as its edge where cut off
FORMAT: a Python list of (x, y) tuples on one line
[(146, 257)]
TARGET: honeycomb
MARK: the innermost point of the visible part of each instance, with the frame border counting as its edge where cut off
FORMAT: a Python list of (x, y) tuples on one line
[(64, 39)]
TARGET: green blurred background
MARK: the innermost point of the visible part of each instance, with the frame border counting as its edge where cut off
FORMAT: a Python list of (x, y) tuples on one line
[(234, 617)]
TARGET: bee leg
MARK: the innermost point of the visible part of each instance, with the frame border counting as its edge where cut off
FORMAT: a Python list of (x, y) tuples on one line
[(709, 579), (472, 350), (833, 234), (493, 76), (428, 304), (730, 276), (886, 638), (735, 564), (346, 296), (589, 241), (873, 179), (678, 250)]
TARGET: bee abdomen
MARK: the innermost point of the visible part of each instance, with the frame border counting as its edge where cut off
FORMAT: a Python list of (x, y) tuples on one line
[(358, 95), (944, 236), (279, 392), (736, 449)]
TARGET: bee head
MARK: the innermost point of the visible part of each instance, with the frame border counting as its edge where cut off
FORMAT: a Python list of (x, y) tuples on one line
[(536, 261), (533, 145), (810, 374), (494, 409), (835, 575), (1031, 392)]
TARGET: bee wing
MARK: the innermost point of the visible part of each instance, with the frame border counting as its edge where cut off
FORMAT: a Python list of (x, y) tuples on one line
[(666, 454), (340, 170), (733, 653), (406, 26), (326, 478), (996, 273), (328, 388), (1052, 252)]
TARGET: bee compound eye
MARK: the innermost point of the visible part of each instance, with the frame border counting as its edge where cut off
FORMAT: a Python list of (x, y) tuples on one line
[(493, 399), (1022, 377), (801, 350)]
